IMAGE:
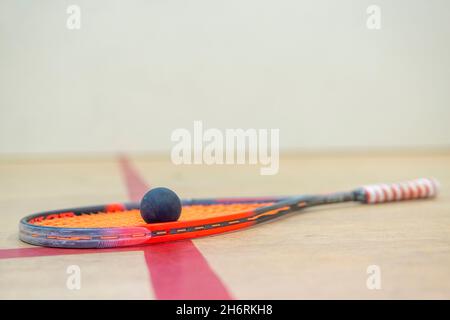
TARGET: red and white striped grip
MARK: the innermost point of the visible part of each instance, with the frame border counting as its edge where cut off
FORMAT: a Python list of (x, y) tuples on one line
[(407, 190)]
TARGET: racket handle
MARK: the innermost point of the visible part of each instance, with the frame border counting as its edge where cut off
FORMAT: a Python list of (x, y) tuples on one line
[(407, 190)]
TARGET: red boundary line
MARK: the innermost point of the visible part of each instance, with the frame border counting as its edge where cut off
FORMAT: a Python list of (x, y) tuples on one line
[(177, 270)]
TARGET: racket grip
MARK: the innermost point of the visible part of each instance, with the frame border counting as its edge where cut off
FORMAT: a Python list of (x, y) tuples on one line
[(407, 190)]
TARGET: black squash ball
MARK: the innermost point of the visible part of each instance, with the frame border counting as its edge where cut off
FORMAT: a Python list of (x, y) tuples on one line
[(160, 205)]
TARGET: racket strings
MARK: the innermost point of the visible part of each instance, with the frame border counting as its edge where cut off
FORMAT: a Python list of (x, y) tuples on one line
[(132, 218)]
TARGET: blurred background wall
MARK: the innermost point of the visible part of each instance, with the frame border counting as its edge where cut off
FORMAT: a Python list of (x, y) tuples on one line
[(138, 69)]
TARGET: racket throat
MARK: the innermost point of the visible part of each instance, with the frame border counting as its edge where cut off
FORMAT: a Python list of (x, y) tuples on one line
[(332, 198)]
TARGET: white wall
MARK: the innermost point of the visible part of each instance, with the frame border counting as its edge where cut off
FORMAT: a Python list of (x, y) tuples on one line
[(138, 69)]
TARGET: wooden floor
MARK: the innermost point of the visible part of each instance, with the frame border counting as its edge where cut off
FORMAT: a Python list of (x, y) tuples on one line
[(319, 253)]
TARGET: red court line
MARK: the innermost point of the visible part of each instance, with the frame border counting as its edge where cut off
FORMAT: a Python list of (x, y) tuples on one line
[(136, 186), (177, 270)]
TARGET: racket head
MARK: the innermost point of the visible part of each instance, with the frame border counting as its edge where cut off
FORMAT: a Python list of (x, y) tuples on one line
[(120, 224)]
